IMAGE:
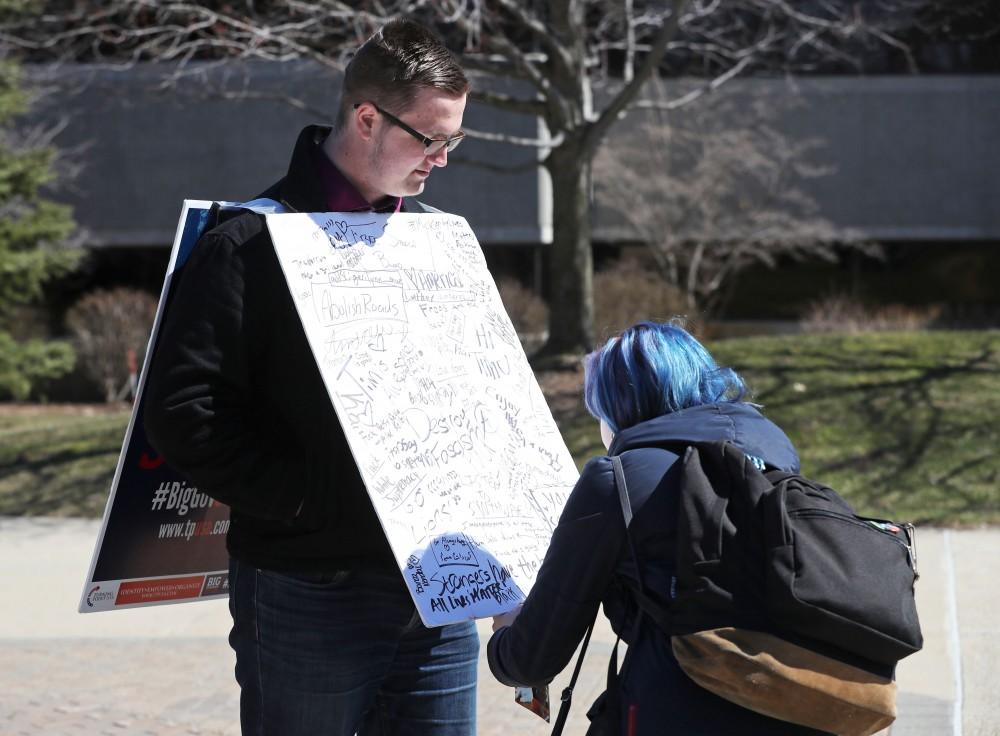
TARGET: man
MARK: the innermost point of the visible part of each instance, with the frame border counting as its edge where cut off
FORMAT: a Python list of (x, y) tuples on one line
[(326, 636)]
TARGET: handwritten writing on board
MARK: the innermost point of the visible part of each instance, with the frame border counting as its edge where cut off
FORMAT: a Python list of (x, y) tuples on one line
[(463, 462)]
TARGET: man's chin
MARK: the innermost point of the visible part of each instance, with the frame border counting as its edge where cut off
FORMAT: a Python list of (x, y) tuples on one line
[(409, 189)]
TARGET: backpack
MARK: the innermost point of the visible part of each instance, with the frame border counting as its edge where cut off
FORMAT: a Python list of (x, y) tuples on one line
[(784, 600)]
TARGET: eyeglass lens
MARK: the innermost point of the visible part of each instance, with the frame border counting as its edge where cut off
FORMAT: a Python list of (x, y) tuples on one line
[(450, 145)]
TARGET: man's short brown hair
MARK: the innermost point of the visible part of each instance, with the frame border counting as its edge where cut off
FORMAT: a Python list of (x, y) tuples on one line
[(390, 68)]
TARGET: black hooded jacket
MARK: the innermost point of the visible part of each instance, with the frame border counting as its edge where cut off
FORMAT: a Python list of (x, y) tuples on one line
[(234, 399), (589, 562)]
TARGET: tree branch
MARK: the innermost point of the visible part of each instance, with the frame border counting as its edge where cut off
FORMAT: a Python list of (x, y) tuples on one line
[(549, 142), (595, 131), (503, 46), (509, 102), (694, 94), (538, 29)]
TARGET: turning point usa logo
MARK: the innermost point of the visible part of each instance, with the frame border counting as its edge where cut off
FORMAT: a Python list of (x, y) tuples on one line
[(96, 595)]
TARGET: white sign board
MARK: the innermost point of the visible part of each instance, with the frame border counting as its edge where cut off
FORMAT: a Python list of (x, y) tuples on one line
[(462, 459)]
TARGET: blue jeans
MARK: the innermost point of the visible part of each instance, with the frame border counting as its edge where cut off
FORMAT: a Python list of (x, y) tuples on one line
[(343, 653)]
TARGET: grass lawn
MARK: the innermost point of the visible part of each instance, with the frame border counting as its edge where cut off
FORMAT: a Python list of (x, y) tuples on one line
[(905, 425), (58, 460)]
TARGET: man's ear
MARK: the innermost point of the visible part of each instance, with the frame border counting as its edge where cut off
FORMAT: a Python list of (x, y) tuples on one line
[(364, 119)]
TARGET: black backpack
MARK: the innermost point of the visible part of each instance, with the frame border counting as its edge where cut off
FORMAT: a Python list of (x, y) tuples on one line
[(785, 601)]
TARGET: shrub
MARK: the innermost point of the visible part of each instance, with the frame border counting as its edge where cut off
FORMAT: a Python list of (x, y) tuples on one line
[(110, 330), (630, 291), (842, 313), (526, 309), (24, 364)]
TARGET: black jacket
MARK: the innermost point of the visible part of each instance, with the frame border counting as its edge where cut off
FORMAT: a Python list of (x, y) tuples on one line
[(588, 561), (234, 399)]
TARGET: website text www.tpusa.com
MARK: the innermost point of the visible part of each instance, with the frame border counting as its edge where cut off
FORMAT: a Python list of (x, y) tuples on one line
[(188, 529)]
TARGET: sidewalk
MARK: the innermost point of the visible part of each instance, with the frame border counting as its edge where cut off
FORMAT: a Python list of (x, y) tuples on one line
[(167, 670)]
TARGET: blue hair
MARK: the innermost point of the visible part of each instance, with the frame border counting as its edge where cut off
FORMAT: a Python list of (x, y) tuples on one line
[(653, 369)]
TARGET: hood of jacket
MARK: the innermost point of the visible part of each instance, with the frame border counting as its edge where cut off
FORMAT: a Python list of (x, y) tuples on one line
[(738, 422)]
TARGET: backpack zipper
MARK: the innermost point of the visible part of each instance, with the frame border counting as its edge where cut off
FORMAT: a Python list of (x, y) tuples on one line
[(887, 528)]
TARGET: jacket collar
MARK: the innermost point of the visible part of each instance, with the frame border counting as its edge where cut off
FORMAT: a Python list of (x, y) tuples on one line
[(738, 422)]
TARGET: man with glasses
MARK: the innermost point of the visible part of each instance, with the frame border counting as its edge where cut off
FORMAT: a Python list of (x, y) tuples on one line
[(326, 636)]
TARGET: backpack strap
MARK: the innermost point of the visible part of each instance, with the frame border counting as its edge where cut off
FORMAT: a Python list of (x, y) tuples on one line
[(657, 613), (623, 499), (567, 693), (612, 703)]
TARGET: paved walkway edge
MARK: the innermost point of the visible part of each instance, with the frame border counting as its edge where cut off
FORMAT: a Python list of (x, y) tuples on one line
[(169, 670)]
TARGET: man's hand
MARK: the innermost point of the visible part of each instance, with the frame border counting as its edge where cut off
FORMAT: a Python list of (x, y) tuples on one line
[(505, 619)]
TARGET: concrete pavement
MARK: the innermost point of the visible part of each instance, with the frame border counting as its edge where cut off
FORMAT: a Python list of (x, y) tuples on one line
[(167, 670)]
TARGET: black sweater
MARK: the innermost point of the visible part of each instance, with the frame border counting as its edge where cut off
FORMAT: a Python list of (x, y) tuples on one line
[(234, 399)]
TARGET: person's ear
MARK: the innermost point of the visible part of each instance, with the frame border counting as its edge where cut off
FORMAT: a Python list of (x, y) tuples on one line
[(364, 120), (607, 436)]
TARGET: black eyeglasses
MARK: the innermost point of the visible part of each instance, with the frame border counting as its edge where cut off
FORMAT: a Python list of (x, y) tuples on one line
[(432, 146)]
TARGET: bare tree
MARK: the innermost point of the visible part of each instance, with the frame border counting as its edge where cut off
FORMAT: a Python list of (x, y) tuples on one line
[(715, 188), (583, 62)]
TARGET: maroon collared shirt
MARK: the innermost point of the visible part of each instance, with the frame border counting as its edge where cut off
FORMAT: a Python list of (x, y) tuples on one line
[(341, 196)]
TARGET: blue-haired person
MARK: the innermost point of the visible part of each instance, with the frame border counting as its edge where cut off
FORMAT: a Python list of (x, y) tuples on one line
[(653, 387)]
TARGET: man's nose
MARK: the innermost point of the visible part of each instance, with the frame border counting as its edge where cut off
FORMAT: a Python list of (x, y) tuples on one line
[(440, 158)]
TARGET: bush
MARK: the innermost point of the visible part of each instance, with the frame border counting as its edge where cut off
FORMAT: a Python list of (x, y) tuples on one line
[(527, 311), (110, 330), (842, 313), (630, 291), (24, 364)]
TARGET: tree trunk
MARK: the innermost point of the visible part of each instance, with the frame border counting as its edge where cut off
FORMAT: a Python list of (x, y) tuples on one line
[(571, 268)]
